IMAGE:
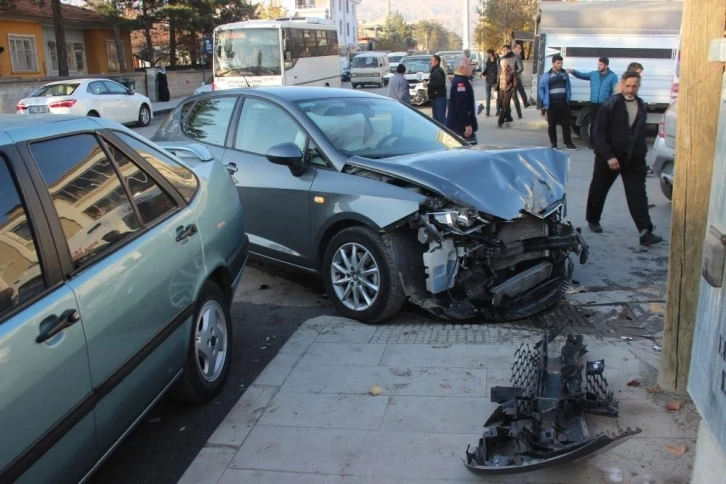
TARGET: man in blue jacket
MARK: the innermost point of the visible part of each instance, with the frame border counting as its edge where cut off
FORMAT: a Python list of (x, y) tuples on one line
[(554, 92), (602, 86), (461, 114)]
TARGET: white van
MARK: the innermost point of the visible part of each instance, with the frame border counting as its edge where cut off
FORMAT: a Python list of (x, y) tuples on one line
[(369, 68)]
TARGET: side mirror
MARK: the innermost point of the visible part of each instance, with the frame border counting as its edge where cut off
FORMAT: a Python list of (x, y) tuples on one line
[(131, 92), (287, 154)]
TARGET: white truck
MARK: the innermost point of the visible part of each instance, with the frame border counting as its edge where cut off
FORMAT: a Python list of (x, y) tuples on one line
[(641, 31)]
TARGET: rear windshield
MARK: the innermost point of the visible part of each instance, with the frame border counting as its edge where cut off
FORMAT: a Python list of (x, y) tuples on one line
[(56, 90), (363, 62)]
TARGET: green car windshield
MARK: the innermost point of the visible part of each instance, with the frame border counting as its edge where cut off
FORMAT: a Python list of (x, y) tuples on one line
[(376, 128)]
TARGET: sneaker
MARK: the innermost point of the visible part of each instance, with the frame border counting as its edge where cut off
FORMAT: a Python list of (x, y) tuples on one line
[(597, 228), (571, 147), (648, 170), (554, 146), (648, 238), (479, 109)]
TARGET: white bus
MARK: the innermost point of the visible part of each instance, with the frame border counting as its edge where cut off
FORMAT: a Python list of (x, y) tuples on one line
[(282, 52)]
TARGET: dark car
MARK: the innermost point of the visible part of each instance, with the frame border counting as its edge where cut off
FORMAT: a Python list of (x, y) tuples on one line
[(387, 205)]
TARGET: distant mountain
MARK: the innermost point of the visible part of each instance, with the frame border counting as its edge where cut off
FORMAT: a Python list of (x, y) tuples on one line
[(449, 12)]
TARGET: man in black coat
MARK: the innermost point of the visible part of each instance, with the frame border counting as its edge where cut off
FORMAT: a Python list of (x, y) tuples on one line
[(620, 149), (436, 87)]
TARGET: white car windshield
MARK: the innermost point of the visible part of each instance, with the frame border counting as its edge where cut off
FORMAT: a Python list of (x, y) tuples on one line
[(376, 128)]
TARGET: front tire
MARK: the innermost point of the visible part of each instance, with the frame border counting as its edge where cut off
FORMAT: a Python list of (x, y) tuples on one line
[(210, 349), (361, 277), (144, 116)]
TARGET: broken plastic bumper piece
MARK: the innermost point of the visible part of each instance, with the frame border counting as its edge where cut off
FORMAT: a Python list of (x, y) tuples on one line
[(540, 420)]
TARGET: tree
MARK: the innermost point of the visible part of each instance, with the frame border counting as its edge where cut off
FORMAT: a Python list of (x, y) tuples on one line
[(148, 13), (498, 19), (114, 16), (397, 34), (61, 52), (271, 12)]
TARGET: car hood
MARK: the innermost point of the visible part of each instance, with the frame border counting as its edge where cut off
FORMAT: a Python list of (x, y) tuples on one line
[(500, 182)]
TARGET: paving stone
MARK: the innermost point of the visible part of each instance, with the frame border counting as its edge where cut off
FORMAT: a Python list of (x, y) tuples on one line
[(437, 414), (244, 415), (209, 465), (343, 354)]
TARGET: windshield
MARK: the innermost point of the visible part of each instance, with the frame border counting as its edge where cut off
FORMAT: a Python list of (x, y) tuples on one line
[(376, 128), (417, 65), (247, 52), (395, 58), (56, 90), (365, 62)]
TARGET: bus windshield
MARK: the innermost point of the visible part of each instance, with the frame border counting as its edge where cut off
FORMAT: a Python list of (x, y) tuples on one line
[(247, 52)]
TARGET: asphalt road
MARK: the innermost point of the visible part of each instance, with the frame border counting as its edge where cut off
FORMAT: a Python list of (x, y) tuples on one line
[(269, 306)]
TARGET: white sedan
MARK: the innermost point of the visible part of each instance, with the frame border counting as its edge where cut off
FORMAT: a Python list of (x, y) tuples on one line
[(89, 97)]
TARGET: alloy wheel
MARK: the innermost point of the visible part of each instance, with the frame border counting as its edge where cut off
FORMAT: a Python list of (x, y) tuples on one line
[(211, 341), (355, 276)]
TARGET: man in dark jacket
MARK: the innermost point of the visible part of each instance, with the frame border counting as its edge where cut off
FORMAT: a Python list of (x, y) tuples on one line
[(460, 116), (620, 149), (490, 74), (515, 62), (437, 90)]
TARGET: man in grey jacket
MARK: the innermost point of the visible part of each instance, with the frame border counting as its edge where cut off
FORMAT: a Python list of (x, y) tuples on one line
[(398, 86)]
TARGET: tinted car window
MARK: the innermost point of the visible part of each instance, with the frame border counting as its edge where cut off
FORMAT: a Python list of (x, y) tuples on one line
[(263, 125), (115, 88), (20, 273), (97, 88), (91, 203), (179, 176), (209, 119), (152, 201)]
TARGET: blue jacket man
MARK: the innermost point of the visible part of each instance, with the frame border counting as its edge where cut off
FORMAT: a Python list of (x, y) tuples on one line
[(603, 82)]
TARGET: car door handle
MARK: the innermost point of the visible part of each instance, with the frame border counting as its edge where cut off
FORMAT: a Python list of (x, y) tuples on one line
[(185, 232), (52, 325)]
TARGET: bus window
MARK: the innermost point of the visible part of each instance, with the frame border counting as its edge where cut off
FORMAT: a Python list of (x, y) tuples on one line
[(311, 43)]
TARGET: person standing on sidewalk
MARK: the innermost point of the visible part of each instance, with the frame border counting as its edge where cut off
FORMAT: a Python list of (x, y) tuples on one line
[(490, 74), (620, 149), (515, 62), (602, 85), (554, 92), (398, 86), (506, 87), (460, 115), (517, 49), (436, 88)]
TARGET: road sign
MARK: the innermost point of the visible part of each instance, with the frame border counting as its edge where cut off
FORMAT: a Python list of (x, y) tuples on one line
[(207, 46)]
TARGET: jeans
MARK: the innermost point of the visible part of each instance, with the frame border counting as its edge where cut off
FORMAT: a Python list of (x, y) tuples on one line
[(559, 114), (438, 108)]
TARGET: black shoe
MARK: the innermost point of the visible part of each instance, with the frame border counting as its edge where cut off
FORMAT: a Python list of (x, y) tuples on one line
[(479, 109), (520, 116), (509, 120), (648, 238), (648, 170), (499, 125), (596, 227), (554, 146), (571, 147)]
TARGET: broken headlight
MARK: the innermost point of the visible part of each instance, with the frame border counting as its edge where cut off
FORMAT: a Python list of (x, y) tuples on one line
[(456, 218)]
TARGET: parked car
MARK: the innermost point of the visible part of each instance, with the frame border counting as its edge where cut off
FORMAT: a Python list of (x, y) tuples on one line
[(369, 68), (206, 86), (418, 71), (385, 204), (118, 263), (89, 97), (664, 150)]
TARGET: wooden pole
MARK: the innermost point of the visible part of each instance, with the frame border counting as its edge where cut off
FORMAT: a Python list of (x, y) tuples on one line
[(700, 86)]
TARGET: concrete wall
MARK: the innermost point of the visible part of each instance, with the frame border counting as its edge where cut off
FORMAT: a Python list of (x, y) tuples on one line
[(181, 84)]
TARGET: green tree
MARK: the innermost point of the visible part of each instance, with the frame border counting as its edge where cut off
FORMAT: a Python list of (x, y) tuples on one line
[(397, 34), (113, 13), (498, 19), (271, 12)]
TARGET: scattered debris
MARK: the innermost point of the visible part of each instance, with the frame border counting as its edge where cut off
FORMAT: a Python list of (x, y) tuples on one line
[(625, 358), (657, 348), (680, 450), (576, 282), (263, 287), (654, 389), (375, 390), (674, 406), (634, 383), (267, 339), (263, 347), (540, 420), (627, 338), (445, 385), (182, 429), (154, 420)]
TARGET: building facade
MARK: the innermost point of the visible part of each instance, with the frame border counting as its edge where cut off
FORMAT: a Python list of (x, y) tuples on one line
[(29, 49)]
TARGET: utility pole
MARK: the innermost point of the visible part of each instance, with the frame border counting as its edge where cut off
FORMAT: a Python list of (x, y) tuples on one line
[(700, 84), (466, 28)]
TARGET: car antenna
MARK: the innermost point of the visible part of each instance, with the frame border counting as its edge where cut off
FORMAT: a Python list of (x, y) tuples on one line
[(246, 81)]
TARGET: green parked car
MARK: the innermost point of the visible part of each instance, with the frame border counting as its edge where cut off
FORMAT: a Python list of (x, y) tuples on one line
[(118, 262)]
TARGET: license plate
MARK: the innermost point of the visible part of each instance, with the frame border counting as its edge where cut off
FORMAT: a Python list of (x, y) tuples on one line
[(38, 110)]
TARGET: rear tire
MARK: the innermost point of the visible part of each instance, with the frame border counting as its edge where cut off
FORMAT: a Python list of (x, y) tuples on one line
[(667, 188), (389, 298), (196, 385), (144, 116)]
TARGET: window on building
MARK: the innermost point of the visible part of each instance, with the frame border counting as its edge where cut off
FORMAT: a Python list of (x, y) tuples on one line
[(78, 56), (74, 55), (23, 53), (341, 28), (347, 29), (340, 5), (347, 6), (113, 56)]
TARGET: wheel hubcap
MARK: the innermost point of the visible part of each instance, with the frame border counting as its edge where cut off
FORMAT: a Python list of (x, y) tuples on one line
[(145, 115), (211, 341), (355, 276)]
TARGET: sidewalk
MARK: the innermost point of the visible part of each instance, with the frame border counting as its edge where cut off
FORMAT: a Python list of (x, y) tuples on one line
[(309, 417), (164, 107)]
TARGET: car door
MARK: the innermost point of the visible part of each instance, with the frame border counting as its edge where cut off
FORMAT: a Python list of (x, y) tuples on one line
[(132, 259), (276, 203), (46, 399), (127, 104)]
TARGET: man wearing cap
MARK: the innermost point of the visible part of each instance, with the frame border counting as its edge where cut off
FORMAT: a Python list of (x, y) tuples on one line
[(602, 86)]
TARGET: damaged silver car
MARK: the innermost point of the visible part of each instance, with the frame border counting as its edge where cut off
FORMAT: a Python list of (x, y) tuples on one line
[(387, 205)]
